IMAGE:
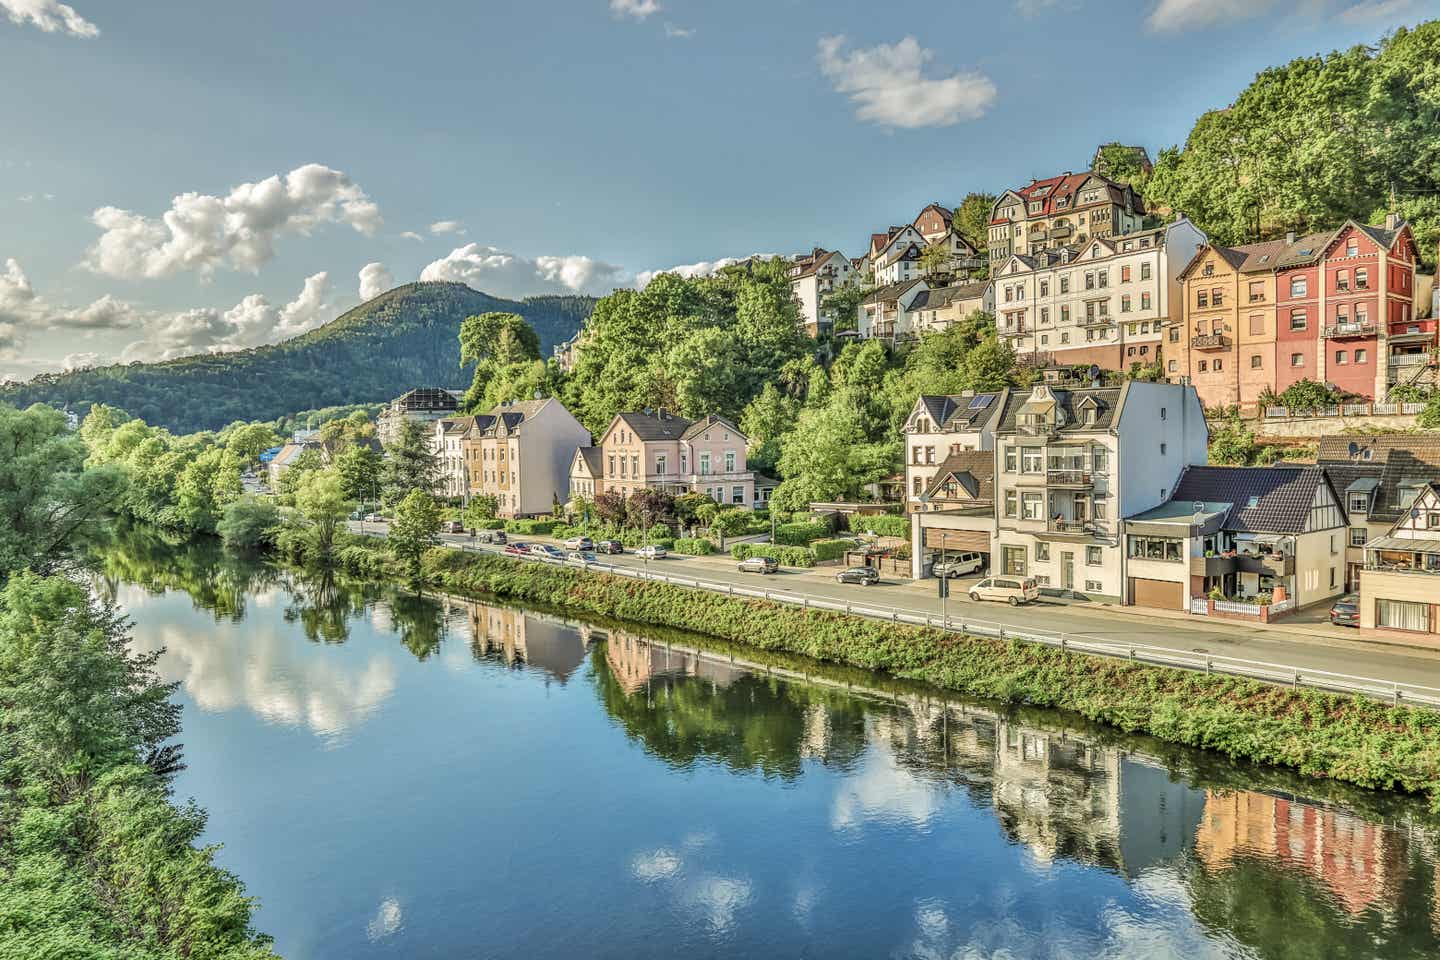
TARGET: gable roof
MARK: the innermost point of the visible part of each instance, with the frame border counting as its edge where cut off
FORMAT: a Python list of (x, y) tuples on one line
[(973, 470), (893, 291), (590, 457), (958, 412), (1283, 496), (939, 298), (1067, 401), (1394, 461), (653, 424), (708, 421)]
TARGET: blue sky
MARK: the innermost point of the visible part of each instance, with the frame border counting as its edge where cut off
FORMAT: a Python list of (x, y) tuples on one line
[(531, 147)]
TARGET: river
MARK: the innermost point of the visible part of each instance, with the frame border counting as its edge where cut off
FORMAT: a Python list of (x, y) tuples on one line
[(396, 776)]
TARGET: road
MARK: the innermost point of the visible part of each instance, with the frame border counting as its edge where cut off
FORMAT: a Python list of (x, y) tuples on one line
[(1321, 648)]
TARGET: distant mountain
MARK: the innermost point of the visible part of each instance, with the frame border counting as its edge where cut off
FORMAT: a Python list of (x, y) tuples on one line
[(407, 337)]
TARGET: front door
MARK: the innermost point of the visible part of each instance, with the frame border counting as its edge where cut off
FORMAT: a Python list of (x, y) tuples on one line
[(1067, 570)]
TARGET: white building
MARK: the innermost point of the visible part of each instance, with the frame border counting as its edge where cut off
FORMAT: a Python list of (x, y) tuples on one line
[(812, 277), (447, 438), (886, 314), (939, 426)]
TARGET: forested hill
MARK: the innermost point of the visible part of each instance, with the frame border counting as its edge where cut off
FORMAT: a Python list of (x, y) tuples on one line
[(407, 337)]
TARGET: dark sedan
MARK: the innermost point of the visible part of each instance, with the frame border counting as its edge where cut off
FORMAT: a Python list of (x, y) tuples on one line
[(609, 546), (1345, 612), (865, 576)]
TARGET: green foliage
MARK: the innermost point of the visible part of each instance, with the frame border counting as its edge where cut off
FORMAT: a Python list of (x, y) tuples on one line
[(1429, 418), (412, 464), (1308, 396), (46, 495), (972, 220), (361, 473), (506, 354), (882, 525), (321, 507), (842, 304), (765, 421), (800, 534), (694, 546), (785, 556), (372, 353), (530, 528), (249, 523), (415, 529), (830, 549), (480, 512), (1233, 444)]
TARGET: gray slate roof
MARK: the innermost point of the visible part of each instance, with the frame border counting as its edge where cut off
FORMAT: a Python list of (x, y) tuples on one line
[(1283, 495), (1393, 460), (655, 424), (959, 412), (1069, 401)]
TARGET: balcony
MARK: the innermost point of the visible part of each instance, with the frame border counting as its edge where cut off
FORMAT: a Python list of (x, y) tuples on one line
[(1210, 341), (1078, 529), (1349, 330), (1061, 231), (1096, 321), (1073, 479), (1267, 565), (1214, 566), (1019, 330)]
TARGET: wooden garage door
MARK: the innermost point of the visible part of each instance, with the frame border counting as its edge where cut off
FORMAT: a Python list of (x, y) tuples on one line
[(1156, 593), (968, 541)]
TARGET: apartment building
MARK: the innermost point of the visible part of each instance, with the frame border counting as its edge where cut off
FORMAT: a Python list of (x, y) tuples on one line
[(1400, 585), (941, 307), (1105, 304), (1068, 210), (1334, 307), (586, 473), (938, 428), (422, 405), (655, 449), (447, 442), (1071, 463), (1245, 531), (886, 312), (813, 276), (520, 453)]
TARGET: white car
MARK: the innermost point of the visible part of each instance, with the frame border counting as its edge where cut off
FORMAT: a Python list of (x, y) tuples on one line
[(650, 553), (1013, 590), (958, 566)]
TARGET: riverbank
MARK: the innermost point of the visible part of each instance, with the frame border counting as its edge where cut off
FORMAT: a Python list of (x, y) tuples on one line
[(1349, 739)]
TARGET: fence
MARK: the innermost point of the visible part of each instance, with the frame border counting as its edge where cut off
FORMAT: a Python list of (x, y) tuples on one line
[(1239, 609), (1349, 410), (1393, 691), (1200, 606)]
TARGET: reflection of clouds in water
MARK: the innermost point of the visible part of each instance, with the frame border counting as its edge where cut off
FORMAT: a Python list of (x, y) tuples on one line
[(881, 788), (268, 599), (656, 865), (807, 897), (381, 618), (388, 919), (283, 681), (716, 900), (932, 920)]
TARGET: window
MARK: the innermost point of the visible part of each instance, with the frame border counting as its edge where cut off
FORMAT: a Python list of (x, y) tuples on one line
[(1402, 615), (1298, 286), (1359, 356), (1093, 557), (1432, 520), (1359, 503), (1155, 548), (612, 463), (1093, 586), (1032, 506), (1362, 278), (1342, 279), (1044, 339), (1297, 320), (1145, 300), (929, 454), (1332, 578), (1131, 352), (1011, 508), (1042, 551), (1162, 413), (660, 464), (635, 465), (1144, 271), (1257, 290), (1174, 334), (1204, 365), (919, 487), (1033, 460), (705, 463), (1162, 448), (1217, 296), (1341, 357), (1125, 303), (1352, 247), (1044, 314), (1012, 561), (1065, 284), (1357, 536), (1362, 313), (1044, 288), (1202, 298), (1219, 364), (1064, 314), (1173, 367), (1125, 274), (737, 494), (730, 459), (1297, 359)]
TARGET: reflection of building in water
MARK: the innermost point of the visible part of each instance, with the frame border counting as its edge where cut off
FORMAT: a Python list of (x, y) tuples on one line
[(520, 638), (635, 661), (1358, 861)]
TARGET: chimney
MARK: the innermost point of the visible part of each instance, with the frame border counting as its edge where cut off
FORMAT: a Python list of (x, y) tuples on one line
[(1290, 236), (662, 414), (1392, 221)]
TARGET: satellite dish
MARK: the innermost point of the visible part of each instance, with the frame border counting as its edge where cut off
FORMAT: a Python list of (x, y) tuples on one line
[(1198, 506), (1354, 448), (1094, 370), (1414, 513)]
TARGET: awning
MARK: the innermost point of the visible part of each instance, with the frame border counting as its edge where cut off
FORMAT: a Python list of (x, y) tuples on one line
[(1411, 337), (1273, 539), (1404, 545), (1363, 485)]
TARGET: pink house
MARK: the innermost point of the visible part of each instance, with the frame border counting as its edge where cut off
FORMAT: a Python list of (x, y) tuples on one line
[(659, 450)]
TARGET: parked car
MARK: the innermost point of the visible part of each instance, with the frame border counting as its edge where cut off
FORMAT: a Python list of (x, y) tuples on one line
[(960, 565), (1013, 590), (609, 546), (650, 552), (374, 518), (545, 550), (580, 556), (1345, 612), (518, 549), (758, 565), (452, 526), (579, 543), (492, 536), (865, 576)]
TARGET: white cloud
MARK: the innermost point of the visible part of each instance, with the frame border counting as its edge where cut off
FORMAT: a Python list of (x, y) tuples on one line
[(375, 279), (680, 33), (23, 311), (639, 9), (1376, 10), (202, 232), (704, 268), (50, 16), (447, 226), (505, 274), (411, 235), (1171, 15), (888, 85), (388, 920), (79, 361)]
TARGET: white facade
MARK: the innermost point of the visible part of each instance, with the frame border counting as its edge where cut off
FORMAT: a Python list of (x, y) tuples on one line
[(812, 279), (940, 426), (446, 443), (886, 312)]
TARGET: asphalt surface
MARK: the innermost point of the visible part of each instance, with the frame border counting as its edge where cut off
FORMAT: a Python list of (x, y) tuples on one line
[(1307, 645)]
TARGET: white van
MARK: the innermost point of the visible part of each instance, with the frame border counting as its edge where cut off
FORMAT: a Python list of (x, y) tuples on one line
[(959, 566), (1013, 590)]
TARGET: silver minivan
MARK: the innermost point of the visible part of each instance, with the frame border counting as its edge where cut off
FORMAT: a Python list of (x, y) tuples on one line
[(1013, 590), (959, 566)]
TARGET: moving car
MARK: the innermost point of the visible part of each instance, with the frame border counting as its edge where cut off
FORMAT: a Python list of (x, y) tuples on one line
[(518, 549), (492, 536), (758, 565), (609, 546), (452, 526), (865, 576), (580, 556), (1013, 590), (650, 552), (960, 565), (545, 550), (579, 543), (374, 518), (1345, 612)]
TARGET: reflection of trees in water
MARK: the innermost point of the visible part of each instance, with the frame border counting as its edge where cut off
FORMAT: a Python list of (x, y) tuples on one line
[(420, 620), (216, 580), (323, 604)]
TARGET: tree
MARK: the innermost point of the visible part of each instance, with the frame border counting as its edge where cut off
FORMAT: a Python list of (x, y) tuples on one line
[(765, 421), (322, 506), (972, 220), (480, 510), (990, 366), (610, 507), (413, 464), (304, 463), (646, 507), (46, 494), (249, 522), (504, 349), (361, 473), (830, 455), (934, 259), (709, 374), (250, 440), (842, 304), (414, 530)]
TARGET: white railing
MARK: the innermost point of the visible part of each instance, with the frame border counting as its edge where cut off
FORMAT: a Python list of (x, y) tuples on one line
[(1200, 606), (1243, 609), (1390, 690), (1349, 410)]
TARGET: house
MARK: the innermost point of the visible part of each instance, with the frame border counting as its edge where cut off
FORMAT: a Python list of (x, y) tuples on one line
[(899, 262), (567, 354), (1247, 532), (658, 450), (939, 427), (934, 222), (1070, 209), (286, 458), (585, 473), (959, 510), (883, 245), (423, 405), (764, 490), (520, 453), (447, 438), (885, 312), (1071, 462), (939, 308), (1378, 478), (813, 276), (1398, 587)]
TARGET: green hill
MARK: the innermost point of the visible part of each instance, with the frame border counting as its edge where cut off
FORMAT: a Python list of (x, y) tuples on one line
[(407, 337)]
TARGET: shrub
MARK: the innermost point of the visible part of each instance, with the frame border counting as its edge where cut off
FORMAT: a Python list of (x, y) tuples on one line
[(785, 556), (830, 549), (883, 525), (530, 528), (799, 534), (694, 546), (664, 543)]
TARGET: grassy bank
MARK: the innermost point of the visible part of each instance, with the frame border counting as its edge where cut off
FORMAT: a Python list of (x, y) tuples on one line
[(1350, 739)]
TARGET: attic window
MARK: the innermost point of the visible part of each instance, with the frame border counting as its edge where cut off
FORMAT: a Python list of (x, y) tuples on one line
[(1264, 257), (1306, 253), (1252, 503)]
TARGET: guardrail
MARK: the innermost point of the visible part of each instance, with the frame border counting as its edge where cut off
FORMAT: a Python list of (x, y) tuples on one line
[(1388, 690)]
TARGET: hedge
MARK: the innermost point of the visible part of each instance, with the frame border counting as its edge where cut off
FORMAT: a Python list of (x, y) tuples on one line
[(830, 549), (530, 528), (1349, 738), (694, 546), (787, 556), (490, 525), (884, 524), (799, 534)]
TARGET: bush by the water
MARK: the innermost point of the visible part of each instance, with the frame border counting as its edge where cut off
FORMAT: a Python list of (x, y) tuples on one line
[(694, 546)]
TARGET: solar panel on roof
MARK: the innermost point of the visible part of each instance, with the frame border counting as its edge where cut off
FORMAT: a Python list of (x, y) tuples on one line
[(983, 400)]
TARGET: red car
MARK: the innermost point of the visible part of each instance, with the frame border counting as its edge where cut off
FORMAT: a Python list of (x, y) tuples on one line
[(518, 549)]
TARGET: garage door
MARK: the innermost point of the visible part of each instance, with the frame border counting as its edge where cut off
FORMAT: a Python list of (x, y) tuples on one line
[(968, 541), (1157, 593)]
